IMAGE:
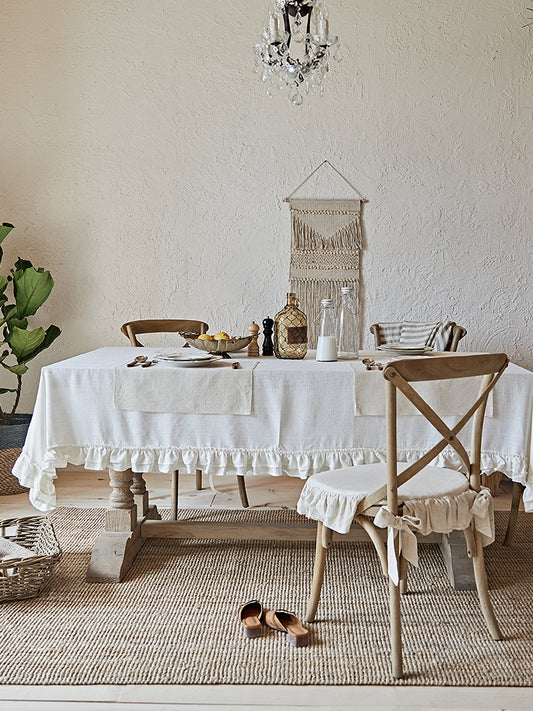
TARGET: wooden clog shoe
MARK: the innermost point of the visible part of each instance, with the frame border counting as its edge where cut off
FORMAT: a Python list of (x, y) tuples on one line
[(251, 614), (288, 622)]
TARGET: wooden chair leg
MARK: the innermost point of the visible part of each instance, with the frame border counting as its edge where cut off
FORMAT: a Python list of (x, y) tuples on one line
[(242, 491), (395, 621), (513, 514), (395, 630), (403, 575), (174, 496), (198, 480), (480, 577), (323, 540)]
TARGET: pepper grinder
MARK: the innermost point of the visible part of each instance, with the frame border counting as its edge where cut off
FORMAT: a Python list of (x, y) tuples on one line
[(268, 346), (253, 348)]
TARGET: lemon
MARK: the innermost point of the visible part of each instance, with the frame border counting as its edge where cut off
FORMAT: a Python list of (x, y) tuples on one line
[(205, 337), (221, 336)]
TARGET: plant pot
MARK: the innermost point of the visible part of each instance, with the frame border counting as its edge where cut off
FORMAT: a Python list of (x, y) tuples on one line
[(14, 434), (12, 438)]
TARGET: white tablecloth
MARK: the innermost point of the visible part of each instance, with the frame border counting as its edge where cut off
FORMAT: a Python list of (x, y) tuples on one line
[(302, 422)]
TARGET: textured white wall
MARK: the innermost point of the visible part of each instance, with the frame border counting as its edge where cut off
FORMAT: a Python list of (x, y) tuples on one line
[(143, 163)]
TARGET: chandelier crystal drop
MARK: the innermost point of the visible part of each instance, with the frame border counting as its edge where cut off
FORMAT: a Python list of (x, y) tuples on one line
[(295, 48)]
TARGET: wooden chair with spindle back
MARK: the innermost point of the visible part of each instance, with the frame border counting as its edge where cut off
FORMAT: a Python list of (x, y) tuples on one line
[(410, 497), (131, 329)]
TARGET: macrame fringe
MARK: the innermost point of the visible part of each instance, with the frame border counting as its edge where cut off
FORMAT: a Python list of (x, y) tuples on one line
[(305, 237), (311, 292), (326, 238)]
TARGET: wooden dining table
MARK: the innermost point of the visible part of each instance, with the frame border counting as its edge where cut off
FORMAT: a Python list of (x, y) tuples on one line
[(292, 418)]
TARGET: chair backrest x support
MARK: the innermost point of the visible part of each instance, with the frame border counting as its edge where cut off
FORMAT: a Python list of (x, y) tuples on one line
[(162, 325), (399, 375)]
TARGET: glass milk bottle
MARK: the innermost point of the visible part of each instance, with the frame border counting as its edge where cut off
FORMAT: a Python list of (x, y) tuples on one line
[(290, 331), (326, 349), (348, 326)]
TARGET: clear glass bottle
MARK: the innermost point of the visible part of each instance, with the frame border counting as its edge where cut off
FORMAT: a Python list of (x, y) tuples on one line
[(290, 331), (348, 326), (326, 349)]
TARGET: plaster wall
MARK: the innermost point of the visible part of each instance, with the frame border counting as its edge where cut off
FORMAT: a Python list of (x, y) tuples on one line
[(144, 165)]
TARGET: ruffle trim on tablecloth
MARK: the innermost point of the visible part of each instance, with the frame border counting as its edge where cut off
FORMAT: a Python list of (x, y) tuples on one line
[(40, 478)]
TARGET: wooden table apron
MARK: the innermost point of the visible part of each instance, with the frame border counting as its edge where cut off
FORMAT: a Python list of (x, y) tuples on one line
[(286, 410)]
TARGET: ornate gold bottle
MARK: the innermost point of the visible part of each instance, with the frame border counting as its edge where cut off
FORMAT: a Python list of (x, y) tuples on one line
[(290, 331)]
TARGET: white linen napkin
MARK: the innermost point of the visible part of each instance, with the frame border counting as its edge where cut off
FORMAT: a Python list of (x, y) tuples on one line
[(216, 389), (446, 397)]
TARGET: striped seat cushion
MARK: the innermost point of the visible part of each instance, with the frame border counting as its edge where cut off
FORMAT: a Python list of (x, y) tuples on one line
[(413, 333)]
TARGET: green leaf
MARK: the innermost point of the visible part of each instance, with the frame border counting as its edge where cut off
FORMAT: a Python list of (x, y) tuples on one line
[(7, 390), (7, 308), (5, 229), (21, 264), (3, 283), (52, 332), (18, 369), (32, 288), (23, 343), (15, 322)]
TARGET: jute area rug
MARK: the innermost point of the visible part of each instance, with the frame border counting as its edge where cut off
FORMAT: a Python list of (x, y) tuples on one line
[(8, 483), (174, 619)]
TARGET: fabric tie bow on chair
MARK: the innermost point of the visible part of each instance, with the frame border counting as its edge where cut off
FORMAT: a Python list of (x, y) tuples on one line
[(399, 526)]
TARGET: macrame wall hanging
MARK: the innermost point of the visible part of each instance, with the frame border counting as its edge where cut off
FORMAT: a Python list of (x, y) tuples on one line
[(325, 246)]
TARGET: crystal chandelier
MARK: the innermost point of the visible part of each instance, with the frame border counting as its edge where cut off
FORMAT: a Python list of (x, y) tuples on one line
[(301, 66)]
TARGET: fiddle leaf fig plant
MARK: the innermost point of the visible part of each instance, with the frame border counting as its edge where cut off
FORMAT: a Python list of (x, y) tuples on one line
[(30, 289)]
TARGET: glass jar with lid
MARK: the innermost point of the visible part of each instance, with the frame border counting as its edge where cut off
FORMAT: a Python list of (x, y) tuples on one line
[(348, 326), (326, 349)]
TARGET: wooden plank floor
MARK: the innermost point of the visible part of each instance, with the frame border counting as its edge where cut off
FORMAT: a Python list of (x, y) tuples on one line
[(77, 487), (86, 489)]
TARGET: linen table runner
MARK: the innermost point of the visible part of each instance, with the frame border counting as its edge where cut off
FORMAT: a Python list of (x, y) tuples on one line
[(217, 389), (446, 397)]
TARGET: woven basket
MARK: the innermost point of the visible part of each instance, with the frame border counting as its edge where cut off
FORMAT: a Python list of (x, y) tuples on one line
[(8, 483), (22, 578)]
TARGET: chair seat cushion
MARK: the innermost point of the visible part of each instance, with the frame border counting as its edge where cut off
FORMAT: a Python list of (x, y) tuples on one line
[(441, 498)]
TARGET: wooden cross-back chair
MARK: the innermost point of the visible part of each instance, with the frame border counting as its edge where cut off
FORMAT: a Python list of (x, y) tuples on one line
[(131, 329), (336, 498), (458, 332)]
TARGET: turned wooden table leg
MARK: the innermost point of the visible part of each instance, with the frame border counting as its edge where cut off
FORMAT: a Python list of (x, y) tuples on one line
[(140, 494), (116, 548), (457, 560), (122, 512)]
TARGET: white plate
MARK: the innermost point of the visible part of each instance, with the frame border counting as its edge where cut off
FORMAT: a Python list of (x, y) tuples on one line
[(186, 357), (190, 363), (397, 349)]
